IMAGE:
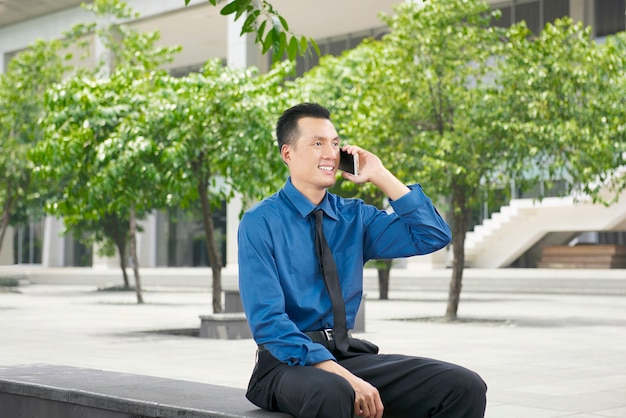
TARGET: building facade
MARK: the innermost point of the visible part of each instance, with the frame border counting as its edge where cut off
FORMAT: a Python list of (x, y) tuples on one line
[(176, 239)]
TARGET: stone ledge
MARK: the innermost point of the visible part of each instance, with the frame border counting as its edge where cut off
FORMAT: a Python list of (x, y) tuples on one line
[(225, 326), (49, 391)]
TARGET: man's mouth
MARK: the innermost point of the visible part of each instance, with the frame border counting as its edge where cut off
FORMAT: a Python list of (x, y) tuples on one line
[(328, 168)]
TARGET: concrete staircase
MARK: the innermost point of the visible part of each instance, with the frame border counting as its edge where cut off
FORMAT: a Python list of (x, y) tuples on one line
[(518, 227)]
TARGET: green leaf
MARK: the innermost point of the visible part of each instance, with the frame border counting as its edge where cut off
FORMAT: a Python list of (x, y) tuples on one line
[(260, 31), (269, 40), (293, 48), (231, 7), (248, 25), (284, 23)]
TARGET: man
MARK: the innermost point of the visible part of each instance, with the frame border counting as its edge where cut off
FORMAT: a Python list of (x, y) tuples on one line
[(305, 367)]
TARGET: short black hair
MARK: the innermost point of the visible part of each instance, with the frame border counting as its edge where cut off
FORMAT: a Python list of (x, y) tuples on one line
[(287, 125)]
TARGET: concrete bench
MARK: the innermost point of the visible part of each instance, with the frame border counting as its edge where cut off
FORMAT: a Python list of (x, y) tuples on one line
[(225, 326), (49, 391), (229, 325), (232, 301)]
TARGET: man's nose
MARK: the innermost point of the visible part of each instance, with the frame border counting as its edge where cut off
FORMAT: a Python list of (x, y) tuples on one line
[(330, 151)]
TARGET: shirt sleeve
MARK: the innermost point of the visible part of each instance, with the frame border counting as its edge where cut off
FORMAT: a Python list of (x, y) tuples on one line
[(414, 228), (264, 302)]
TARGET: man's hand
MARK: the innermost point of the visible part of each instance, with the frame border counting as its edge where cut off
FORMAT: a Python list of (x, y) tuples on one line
[(367, 402), (372, 170)]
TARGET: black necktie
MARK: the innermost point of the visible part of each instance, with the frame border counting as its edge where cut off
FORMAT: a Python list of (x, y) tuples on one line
[(331, 278)]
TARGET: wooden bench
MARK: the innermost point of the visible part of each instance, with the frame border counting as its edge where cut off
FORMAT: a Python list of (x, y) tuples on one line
[(605, 256), (49, 391)]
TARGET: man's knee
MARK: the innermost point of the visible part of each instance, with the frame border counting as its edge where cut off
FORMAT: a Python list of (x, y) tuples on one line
[(468, 393), (470, 383), (330, 395)]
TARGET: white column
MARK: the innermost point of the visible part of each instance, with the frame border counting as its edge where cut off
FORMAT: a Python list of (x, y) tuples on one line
[(53, 251), (99, 262), (6, 254), (241, 52), (147, 241), (233, 209)]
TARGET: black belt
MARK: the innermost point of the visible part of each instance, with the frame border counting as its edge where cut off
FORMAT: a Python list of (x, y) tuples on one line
[(326, 337), (323, 336)]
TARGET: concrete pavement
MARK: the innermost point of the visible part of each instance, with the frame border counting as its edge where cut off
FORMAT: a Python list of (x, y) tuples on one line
[(542, 354)]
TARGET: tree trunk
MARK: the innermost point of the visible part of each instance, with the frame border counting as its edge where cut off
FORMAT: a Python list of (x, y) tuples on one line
[(460, 223), (121, 249), (133, 253), (384, 271), (211, 245)]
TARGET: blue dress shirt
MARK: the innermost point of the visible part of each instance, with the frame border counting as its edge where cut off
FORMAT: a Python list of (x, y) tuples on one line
[(281, 285)]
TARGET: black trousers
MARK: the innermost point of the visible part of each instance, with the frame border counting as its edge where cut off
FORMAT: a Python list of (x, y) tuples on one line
[(408, 386)]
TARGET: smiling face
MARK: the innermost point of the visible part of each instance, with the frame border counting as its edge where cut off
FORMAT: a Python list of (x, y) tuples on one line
[(313, 157)]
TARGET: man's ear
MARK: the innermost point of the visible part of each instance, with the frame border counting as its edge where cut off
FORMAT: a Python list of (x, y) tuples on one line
[(285, 153)]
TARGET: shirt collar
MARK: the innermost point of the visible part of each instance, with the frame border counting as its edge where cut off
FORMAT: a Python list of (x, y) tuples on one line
[(304, 205)]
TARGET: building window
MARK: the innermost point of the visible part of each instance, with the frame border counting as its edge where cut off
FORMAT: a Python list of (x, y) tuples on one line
[(531, 14), (535, 13), (506, 17), (334, 46), (554, 9), (28, 243), (610, 17), (75, 253), (181, 241)]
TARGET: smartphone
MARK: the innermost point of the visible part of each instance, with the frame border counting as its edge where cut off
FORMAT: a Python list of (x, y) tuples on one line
[(348, 162)]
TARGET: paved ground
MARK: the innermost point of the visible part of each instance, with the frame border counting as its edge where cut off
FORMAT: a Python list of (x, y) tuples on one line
[(541, 355)]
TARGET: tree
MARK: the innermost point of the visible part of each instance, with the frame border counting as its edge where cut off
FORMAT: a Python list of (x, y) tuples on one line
[(448, 49), (564, 98), (107, 173), (272, 30), (22, 89), (216, 131), (448, 100)]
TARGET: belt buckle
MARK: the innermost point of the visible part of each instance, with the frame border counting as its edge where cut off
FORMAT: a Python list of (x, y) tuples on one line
[(328, 333)]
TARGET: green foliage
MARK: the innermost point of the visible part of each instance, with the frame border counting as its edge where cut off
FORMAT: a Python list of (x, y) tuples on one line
[(9, 282), (412, 97), (91, 151), (272, 30), (461, 106), (564, 98), (451, 101), (215, 129), (22, 88)]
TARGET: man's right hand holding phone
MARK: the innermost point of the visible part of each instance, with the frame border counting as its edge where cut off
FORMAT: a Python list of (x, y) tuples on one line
[(371, 169)]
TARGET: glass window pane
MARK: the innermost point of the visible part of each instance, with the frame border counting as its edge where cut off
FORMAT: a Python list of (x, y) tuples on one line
[(337, 47), (355, 41), (186, 240), (505, 18), (529, 12), (554, 9), (610, 16)]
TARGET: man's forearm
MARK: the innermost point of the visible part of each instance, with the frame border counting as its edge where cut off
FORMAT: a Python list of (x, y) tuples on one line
[(389, 184)]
